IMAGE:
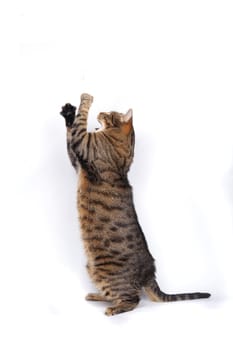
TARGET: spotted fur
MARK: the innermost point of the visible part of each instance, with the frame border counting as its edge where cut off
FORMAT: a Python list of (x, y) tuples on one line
[(119, 261)]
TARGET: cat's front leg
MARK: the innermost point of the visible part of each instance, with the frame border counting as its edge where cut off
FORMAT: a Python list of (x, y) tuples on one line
[(68, 112), (80, 137), (86, 101)]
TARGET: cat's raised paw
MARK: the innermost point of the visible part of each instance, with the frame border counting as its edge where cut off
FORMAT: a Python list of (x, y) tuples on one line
[(68, 112), (86, 97)]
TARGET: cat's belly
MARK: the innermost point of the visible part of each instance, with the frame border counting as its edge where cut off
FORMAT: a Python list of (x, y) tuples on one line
[(112, 238)]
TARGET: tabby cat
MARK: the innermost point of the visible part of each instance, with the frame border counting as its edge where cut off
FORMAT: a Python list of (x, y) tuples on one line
[(119, 261)]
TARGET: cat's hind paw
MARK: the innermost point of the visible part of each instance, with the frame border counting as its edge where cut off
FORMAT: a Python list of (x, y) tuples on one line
[(68, 112), (96, 297), (122, 306)]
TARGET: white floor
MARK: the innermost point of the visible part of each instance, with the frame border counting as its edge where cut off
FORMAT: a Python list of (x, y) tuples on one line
[(171, 61)]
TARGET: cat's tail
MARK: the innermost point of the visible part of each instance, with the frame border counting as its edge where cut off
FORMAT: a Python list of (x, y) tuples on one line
[(155, 294)]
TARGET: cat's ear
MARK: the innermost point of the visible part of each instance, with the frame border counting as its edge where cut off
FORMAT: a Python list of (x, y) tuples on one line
[(128, 116), (127, 124)]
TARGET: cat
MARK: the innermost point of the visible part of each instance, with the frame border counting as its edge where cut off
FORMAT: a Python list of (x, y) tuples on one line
[(119, 261)]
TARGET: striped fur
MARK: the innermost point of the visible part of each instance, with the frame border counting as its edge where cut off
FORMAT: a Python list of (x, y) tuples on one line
[(119, 261)]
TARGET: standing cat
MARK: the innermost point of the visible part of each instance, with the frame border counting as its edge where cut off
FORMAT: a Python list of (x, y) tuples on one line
[(119, 261)]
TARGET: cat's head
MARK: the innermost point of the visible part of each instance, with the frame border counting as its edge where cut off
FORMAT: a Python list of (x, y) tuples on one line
[(115, 120)]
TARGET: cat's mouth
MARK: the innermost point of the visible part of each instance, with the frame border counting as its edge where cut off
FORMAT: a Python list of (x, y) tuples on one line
[(102, 121)]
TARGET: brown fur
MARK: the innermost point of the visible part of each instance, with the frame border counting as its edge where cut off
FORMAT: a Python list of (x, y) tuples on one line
[(119, 261)]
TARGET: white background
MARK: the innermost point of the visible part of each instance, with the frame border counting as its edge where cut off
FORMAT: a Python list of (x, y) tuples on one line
[(172, 62)]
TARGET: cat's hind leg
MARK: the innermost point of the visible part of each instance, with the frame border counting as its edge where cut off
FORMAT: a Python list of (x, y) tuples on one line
[(96, 297), (123, 304)]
